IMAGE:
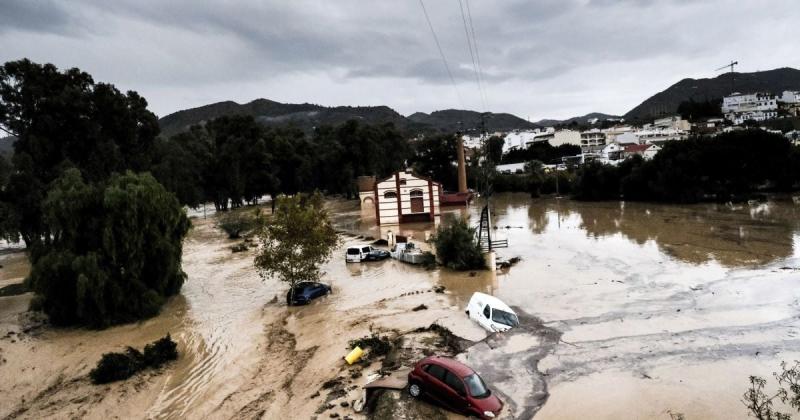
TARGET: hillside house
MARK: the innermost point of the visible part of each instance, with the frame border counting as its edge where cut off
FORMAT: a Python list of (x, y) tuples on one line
[(404, 197), (739, 108)]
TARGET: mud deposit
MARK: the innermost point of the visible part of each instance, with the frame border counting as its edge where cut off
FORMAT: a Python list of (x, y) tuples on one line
[(628, 311)]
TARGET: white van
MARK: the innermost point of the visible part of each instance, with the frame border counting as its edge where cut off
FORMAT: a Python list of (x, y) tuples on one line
[(491, 313), (364, 253)]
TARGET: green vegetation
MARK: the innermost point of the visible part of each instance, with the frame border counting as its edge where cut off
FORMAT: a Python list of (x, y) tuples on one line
[(296, 240), (64, 120), (541, 151), (119, 366), (760, 404), (457, 247), (435, 157), (115, 252), (692, 110), (238, 223), (237, 160), (104, 238), (730, 166)]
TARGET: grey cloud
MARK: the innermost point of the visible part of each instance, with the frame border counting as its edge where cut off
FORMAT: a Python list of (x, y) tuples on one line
[(183, 51), (34, 16)]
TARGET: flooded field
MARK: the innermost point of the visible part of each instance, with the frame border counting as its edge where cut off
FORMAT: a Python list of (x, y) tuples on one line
[(629, 311)]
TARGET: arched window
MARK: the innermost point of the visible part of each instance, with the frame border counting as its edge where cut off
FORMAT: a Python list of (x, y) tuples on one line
[(402, 181), (416, 193), (390, 194)]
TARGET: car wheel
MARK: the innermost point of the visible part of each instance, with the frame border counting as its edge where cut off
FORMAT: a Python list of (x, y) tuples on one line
[(414, 390)]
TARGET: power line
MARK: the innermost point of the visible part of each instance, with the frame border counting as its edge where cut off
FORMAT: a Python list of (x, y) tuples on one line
[(441, 53), (478, 57), (471, 53)]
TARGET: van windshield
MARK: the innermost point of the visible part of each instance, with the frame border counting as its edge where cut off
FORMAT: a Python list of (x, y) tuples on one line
[(352, 251), (476, 386), (505, 318)]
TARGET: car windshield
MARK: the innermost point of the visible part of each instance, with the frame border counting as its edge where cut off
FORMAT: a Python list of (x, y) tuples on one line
[(476, 386), (352, 251), (505, 318)]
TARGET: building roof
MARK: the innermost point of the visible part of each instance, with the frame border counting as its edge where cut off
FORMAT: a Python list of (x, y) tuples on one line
[(410, 172), (634, 148)]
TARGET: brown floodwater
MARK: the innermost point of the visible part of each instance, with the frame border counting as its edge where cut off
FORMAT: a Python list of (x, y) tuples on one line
[(628, 310), (655, 309)]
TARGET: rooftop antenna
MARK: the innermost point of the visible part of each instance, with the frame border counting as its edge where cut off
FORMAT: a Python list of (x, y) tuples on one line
[(731, 65)]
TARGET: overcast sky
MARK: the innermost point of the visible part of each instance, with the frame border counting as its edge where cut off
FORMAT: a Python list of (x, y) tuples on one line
[(540, 59)]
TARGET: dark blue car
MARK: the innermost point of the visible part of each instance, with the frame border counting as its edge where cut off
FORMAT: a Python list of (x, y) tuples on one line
[(305, 291)]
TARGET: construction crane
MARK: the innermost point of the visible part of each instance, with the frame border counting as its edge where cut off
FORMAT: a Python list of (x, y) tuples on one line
[(731, 65)]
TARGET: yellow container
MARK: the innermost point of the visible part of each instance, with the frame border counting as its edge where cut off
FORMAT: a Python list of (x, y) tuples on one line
[(354, 355)]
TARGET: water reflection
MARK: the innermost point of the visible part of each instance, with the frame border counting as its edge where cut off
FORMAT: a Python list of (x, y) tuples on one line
[(734, 236)]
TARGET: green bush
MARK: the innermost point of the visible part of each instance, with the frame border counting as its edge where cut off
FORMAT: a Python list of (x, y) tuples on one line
[(457, 247), (118, 366), (116, 250), (160, 351), (238, 223)]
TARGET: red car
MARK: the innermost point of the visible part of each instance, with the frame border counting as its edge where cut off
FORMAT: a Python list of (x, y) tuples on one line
[(453, 385)]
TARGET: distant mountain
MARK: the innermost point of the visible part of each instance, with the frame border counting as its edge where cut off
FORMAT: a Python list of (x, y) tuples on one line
[(580, 120), (307, 116), (666, 102), (450, 120)]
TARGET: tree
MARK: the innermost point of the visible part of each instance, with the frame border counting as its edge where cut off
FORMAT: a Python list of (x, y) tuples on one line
[(115, 253), (296, 240), (62, 120), (495, 147), (435, 157), (536, 177), (760, 404), (457, 246), (180, 164)]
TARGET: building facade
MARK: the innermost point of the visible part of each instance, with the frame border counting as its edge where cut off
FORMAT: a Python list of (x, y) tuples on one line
[(565, 137), (739, 107), (406, 198), (592, 141)]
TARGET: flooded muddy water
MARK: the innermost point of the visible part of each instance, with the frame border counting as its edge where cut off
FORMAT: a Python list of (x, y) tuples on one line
[(661, 309), (627, 310)]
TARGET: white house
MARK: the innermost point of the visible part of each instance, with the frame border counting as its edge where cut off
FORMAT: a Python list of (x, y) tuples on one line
[(612, 152), (511, 168), (739, 107), (592, 141), (674, 122), (565, 137), (405, 198), (790, 97), (651, 151)]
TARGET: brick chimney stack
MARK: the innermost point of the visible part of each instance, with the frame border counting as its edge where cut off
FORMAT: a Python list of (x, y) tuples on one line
[(462, 165)]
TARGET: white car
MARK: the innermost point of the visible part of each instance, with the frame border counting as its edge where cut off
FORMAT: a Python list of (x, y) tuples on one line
[(491, 313)]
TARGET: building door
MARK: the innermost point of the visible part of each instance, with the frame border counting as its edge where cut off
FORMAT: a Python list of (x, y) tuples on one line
[(417, 205), (417, 202)]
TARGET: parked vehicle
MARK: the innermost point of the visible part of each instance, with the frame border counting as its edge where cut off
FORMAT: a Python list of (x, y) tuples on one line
[(408, 252), (365, 253), (455, 386), (306, 291), (491, 313)]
